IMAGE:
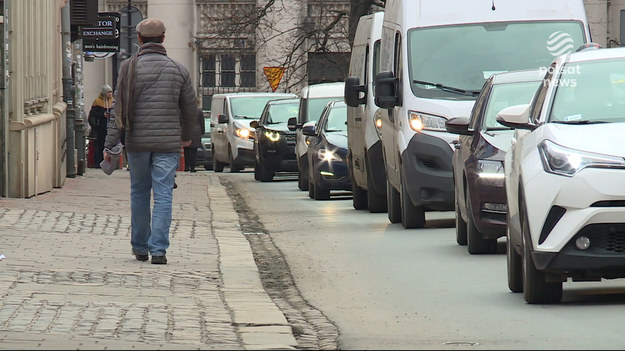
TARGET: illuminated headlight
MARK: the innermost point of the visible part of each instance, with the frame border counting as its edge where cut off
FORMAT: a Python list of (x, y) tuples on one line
[(488, 169), (378, 123), (327, 155), (567, 162), (243, 133), (420, 121), (273, 136)]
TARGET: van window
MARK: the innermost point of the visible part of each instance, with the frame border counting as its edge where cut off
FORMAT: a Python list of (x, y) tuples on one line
[(462, 57), (376, 58), (316, 106)]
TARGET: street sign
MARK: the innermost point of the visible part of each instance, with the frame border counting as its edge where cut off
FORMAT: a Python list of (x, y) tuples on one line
[(104, 36), (274, 76)]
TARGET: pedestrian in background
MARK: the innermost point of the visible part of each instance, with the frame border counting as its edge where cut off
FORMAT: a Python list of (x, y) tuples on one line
[(190, 152), (156, 111), (98, 121)]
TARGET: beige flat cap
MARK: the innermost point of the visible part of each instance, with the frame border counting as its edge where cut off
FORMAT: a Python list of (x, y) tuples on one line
[(151, 27)]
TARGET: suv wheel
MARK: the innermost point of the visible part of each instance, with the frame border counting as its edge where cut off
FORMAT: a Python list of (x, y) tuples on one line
[(217, 166), (476, 244), (411, 216), (461, 225), (375, 202), (536, 290)]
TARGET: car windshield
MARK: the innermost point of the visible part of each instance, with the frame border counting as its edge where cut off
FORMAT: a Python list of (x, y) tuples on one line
[(461, 57), (337, 119), (281, 112), (505, 95), (316, 106), (590, 92), (249, 107)]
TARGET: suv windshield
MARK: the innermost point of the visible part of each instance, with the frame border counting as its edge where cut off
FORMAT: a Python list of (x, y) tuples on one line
[(590, 92), (461, 57), (249, 107), (281, 112), (504, 95), (337, 118)]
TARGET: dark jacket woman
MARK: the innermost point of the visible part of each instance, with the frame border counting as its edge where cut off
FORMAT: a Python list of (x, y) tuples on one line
[(190, 153), (98, 121)]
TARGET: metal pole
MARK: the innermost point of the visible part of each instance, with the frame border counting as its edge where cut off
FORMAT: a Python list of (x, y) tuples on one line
[(68, 91), (79, 121)]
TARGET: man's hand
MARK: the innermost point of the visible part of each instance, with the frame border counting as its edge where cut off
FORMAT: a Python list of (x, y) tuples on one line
[(186, 143), (106, 156)]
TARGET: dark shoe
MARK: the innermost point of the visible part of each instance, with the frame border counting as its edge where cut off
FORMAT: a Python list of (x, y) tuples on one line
[(159, 260), (140, 257), (175, 185)]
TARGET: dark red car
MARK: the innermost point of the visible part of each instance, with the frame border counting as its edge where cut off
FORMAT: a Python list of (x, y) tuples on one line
[(478, 160)]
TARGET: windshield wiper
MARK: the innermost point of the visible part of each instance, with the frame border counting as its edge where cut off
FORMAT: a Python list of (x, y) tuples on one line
[(584, 121), (448, 88), (244, 117)]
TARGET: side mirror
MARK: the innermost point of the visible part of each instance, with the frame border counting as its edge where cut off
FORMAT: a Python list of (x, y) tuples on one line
[(254, 124), (517, 117), (385, 90), (308, 129), (458, 125), (292, 124), (221, 119), (353, 90)]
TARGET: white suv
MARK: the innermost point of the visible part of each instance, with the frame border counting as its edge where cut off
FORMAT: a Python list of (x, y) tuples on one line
[(565, 177)]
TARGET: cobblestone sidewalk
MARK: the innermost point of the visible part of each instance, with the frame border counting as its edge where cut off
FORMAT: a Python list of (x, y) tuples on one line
[(69, 280)]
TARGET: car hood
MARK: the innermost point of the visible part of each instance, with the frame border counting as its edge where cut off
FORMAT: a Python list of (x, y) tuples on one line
[(280, 127), (338, 139), (245, 123), (500, 139), (605, 138)]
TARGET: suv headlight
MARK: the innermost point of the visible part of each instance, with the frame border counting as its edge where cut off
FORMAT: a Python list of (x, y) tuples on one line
[(489, 169), (327, 155), (420, 121), (273, 136), (567, 162)]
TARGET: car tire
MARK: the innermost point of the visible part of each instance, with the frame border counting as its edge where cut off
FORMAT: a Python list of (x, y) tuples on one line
[(411, 216), (476, 244), (302, 182), (234, 168), (256, 171), (311, 191), (461, 225), (359, 197), (264, 175), (536, 289), (320, 193), (393, 203), (217, 165), (515, 267), (375, 202)]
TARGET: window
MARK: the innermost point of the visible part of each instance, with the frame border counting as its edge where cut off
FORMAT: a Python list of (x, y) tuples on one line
[(248, 71), (208, 71), (228, 71)]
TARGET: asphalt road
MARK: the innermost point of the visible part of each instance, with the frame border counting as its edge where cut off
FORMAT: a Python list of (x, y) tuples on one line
[(386, 287)]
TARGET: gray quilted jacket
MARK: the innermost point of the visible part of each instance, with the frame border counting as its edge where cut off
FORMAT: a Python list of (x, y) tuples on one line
[(164, 105)]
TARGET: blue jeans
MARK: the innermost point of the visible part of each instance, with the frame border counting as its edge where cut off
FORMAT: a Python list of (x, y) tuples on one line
[(151, 171)]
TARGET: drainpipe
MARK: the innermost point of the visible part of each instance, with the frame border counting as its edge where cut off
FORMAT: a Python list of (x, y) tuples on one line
[(79, 121), (68, 91)]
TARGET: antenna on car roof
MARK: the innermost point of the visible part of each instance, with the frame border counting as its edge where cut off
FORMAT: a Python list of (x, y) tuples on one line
[(493, 8)]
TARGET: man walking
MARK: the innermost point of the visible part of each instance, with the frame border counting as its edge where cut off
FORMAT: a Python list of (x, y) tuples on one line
[(155, 109)]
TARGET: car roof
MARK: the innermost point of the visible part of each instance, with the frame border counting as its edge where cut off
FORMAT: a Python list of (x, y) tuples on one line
[(596, 54), (530, 75), (324, 90), (284, 101)]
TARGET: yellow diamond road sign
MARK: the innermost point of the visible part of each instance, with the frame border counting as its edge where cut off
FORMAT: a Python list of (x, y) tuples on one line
[(274, 75)]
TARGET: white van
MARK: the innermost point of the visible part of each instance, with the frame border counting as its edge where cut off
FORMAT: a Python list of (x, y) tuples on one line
[(435, 58), (313, 100), (366, 163), (231, 135)]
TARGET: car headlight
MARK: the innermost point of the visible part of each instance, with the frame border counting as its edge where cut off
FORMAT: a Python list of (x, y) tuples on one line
[(567, 162), (327, 155), (420, 121), (489, 169), (243, 133), (273, 136)]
